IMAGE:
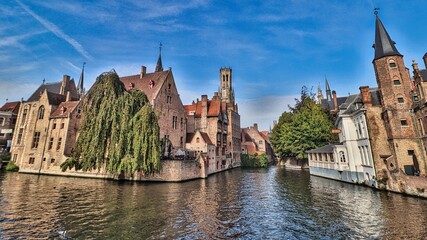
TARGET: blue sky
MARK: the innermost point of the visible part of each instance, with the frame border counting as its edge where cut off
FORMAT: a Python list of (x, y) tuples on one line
[(274, 47)]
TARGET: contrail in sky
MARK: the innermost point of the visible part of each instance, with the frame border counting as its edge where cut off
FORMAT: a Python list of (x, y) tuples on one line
[(57, 31)]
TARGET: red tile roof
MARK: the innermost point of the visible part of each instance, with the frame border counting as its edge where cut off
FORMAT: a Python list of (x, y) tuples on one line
[(214, 106), (150, 83), (64, 109), (11, 107)]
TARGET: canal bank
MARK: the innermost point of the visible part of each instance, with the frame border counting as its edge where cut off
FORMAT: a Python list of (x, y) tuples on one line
[(273, 203)]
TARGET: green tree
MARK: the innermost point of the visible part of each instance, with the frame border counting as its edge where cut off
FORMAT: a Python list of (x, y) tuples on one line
[(307, 126), (119, 131)]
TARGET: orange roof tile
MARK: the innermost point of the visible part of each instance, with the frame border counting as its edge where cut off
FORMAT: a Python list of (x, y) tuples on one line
[(150, 83), (11, 107), (64, 109)]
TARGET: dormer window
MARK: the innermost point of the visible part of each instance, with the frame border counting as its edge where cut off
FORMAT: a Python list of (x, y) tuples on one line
[(131, 86)]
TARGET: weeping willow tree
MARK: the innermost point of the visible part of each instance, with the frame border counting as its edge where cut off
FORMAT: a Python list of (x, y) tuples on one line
[(119, 131)]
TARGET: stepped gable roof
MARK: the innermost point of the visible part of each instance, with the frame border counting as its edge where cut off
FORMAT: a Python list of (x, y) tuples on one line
[(149, 83), (50, 87), (12, 107), (325, 149), (383, 46), (64, 109)]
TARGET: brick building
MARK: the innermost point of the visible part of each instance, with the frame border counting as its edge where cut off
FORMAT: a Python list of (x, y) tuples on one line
[(219, 119), (163, 95), (8, 116), (254, 141), (46, 127)]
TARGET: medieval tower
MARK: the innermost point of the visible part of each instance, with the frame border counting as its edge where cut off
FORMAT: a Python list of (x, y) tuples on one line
[(395, 84)]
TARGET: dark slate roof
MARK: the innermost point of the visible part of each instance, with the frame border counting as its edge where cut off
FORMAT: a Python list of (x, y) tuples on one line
[(325, 149), (50, 87), (375, 96), (55, 99), (384, 46), (424, 74), (350, 104), (330, 104)]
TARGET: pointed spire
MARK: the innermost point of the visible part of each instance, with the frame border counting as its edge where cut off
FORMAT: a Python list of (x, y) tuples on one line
[(159, 66), (80, 89), (328, 90), (383, 46)]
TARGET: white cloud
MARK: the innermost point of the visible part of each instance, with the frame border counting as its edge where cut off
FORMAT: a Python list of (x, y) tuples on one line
[(57, 31), (263, 110)]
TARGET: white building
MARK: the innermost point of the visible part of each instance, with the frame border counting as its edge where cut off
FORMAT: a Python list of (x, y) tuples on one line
[(351, 160)]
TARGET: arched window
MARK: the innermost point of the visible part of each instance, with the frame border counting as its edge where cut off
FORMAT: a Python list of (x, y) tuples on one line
[(197, 140), (342, 156), (41, 113)]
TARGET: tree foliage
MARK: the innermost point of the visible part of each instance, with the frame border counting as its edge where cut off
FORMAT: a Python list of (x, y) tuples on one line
[(119, 130), (305, 127), (254, 160)]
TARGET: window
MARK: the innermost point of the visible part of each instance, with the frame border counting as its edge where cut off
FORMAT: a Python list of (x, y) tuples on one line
[(15, 156), (260, 142), (2, 134), (396, 82), (169, 99), (50, 143), (197, 140), (62, 125), (24, 116), (403, 122), (342, 156), (392, 64), (181, 141), (52, 160), (54, 126), (41, 113), (174, 121), (59, 144), (182, 123), (400, 100), (31, 161), (21, 130), (1, 121), (36, 140)]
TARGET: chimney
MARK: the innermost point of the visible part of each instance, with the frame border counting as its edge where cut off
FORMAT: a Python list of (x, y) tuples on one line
[(143, 71), (425, 60), (334, 97), (256, 126), (68, 98), (204, 106), (366, 96), (65, 80)]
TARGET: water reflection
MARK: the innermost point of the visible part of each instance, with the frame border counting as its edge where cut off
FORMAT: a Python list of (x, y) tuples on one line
[(272, 203)]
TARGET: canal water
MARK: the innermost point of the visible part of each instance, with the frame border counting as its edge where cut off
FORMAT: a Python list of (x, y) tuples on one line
[(272, 203)]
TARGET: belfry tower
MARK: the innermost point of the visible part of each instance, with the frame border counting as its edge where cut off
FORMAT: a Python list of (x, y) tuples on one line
[(226, 88)]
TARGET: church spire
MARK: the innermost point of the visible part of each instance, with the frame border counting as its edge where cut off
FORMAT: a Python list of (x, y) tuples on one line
[(328, 90), (159, 66), (383, 46), (80, 89)]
